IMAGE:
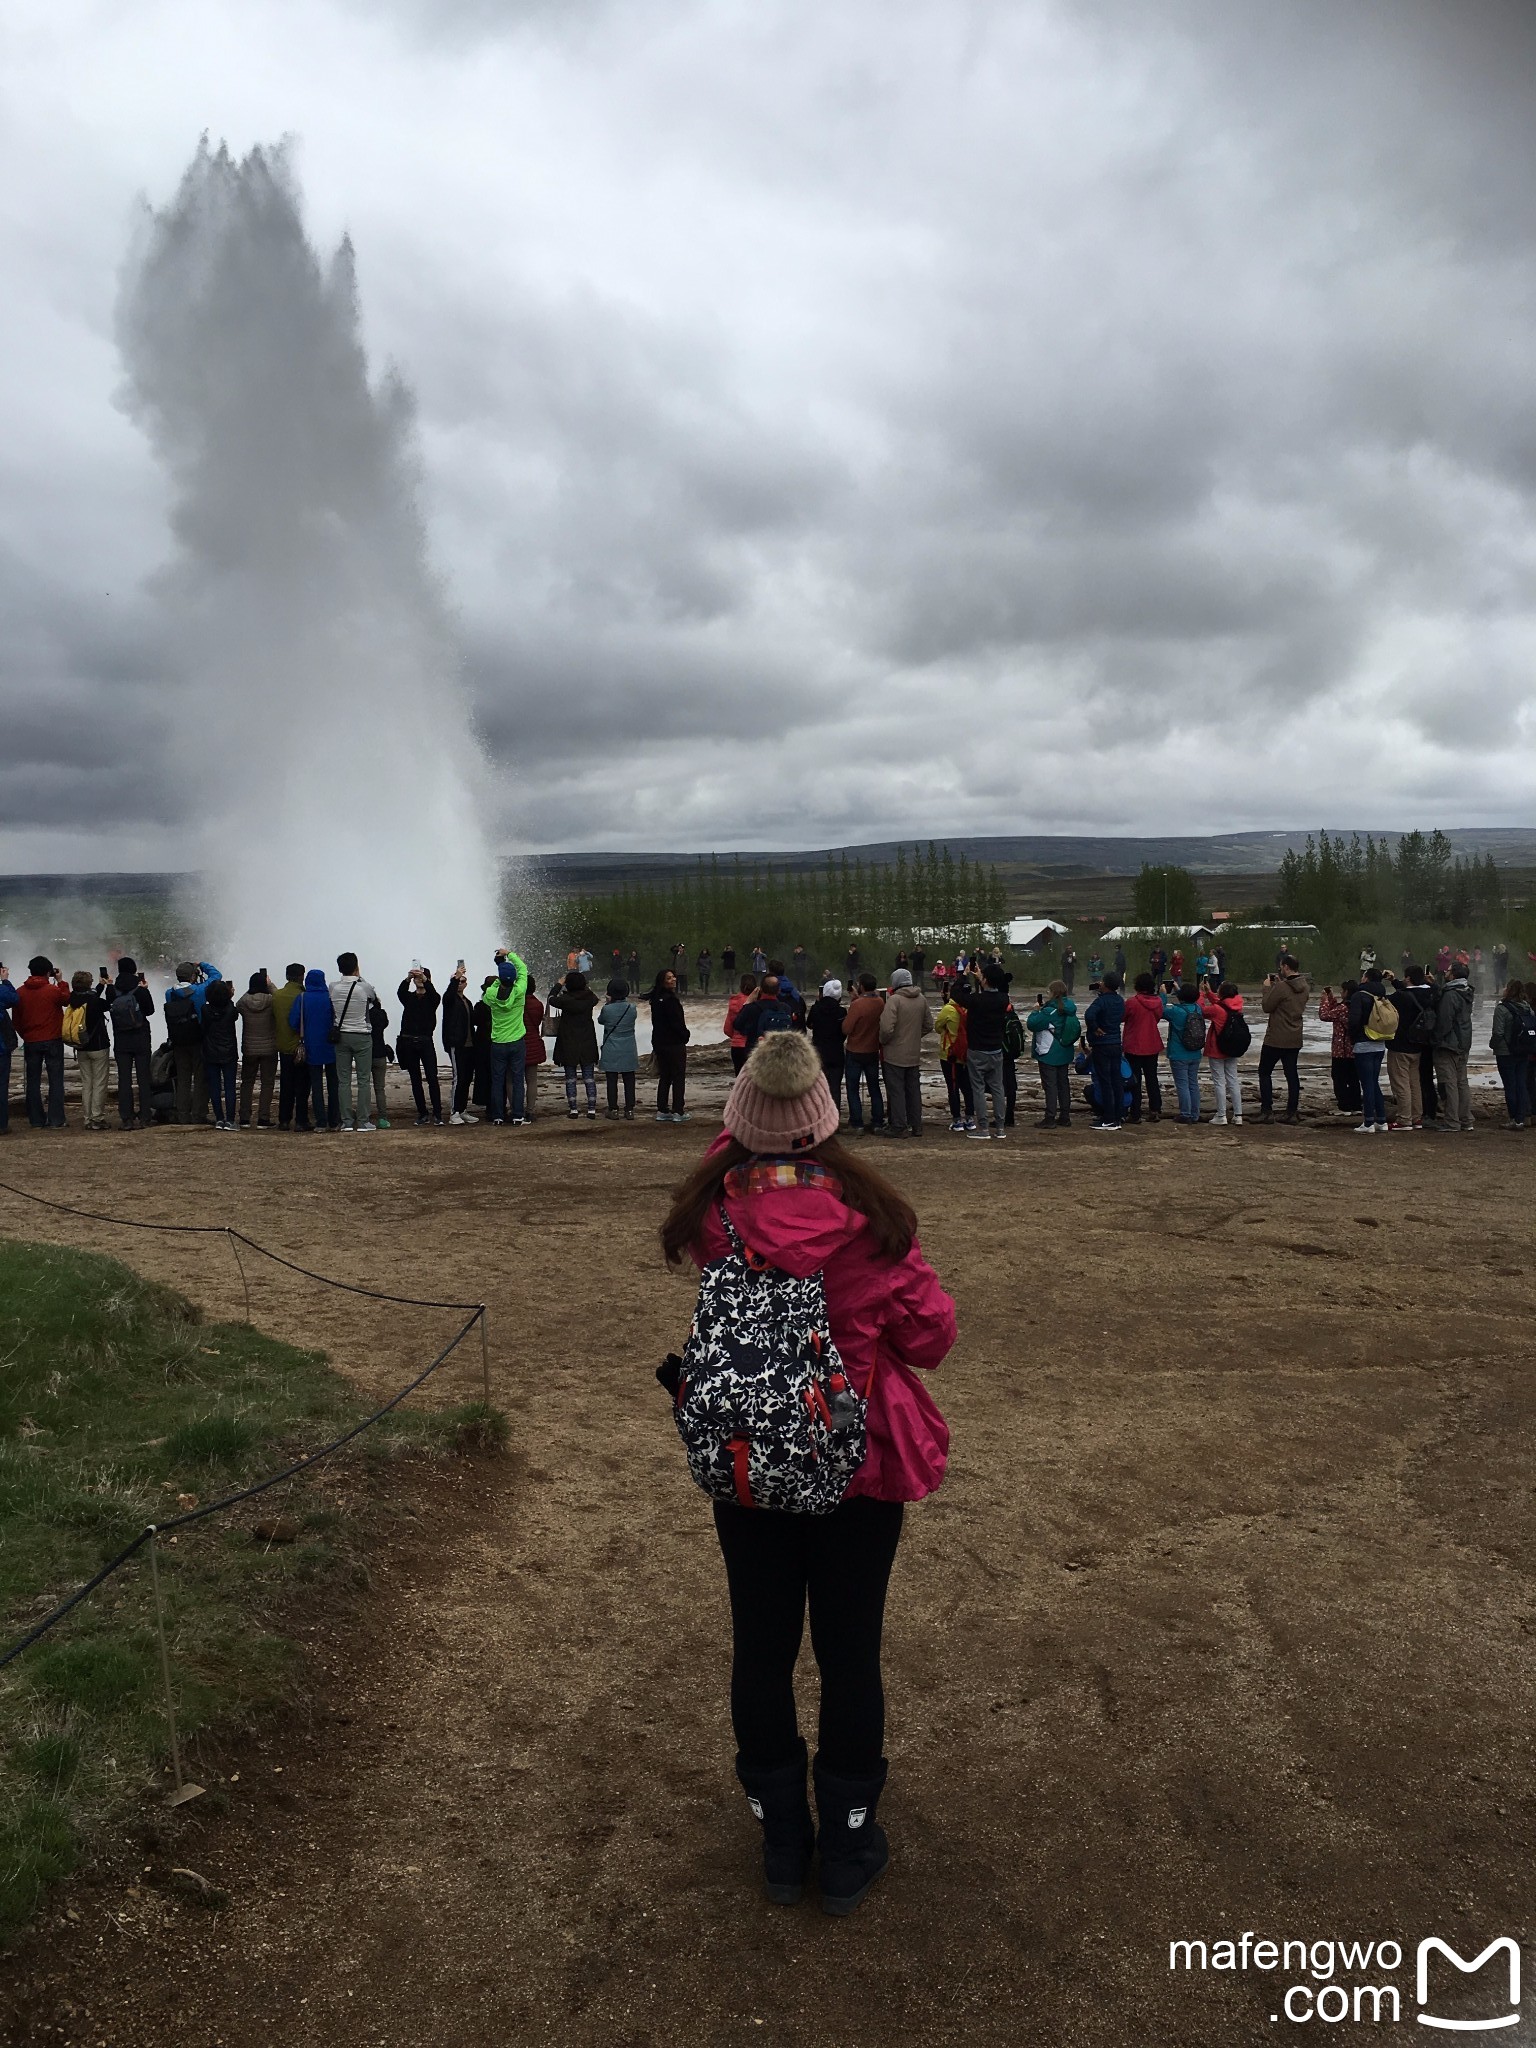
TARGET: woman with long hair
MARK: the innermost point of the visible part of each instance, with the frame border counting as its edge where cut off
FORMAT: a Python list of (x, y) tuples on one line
[(777, 1189), (669, 1043)]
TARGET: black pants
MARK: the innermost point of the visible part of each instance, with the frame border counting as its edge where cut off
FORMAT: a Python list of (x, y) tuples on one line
[(292, 1092), (738, 1058), (133, 1077), (1346, 1084), (1144, 1068), (957, 1086), (839, 1565), (420, 1059), (462, 1059), (1271, 1056), (672, 1077), (629, 1091), (38, 1060), (1428, 1086), (1010, 1086)]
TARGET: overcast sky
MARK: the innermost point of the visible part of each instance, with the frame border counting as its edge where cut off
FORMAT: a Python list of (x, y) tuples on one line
[(902, 415)]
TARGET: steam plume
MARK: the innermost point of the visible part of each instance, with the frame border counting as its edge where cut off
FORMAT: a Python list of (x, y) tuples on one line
[(325, 765)]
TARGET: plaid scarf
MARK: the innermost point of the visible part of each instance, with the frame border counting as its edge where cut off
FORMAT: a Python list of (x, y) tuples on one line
[(758, 1176)]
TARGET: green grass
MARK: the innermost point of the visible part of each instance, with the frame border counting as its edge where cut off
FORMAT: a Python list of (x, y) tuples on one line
[(118, 1405)]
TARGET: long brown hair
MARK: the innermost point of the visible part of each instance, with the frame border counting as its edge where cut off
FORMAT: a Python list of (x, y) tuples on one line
[(892, 1219)]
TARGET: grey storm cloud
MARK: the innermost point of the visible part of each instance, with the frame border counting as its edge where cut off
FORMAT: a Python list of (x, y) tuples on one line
[(929, 415)]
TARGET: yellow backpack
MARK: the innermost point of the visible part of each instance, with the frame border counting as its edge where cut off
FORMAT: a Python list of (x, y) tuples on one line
[(74, 1024)]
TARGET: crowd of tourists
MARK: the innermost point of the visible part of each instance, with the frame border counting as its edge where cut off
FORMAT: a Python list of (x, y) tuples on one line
[(313, 1053), (1418, 1023)]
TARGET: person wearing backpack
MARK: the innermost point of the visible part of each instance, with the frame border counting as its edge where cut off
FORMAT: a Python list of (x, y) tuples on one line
[(777, 1187), (38, 1015), (620, 1056), (1285, 996), (1372, 1025), (182, 1008), (383, 1060), (1513, 1044), (905, 1022), (1186, 1042), (258, 1050), (1104, 1026), (292, 1079), (1053, 1023), (771, 1011), (350, 999), (1414, 1002), (84, 1026), (313, 1016), (1453, 1047), (1142, 1042), (129, 1009), (1226, 1040), (506, 997)]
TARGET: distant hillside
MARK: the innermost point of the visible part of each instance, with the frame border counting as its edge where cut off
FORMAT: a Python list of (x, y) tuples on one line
[(1231, 853), (1050, 858)]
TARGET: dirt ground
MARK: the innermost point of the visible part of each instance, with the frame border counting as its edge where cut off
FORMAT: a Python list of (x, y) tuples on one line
[(1223, 1620)]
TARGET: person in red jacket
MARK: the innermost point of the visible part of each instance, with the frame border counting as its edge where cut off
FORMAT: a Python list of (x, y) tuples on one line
[(41, 1002), (1142, 1041), (801, 1201)]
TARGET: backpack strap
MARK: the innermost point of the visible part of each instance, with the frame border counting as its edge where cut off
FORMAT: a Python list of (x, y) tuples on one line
[(754, 1261)]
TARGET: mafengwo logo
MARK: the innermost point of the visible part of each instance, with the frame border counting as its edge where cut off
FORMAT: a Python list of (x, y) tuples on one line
[(1355, 1982)]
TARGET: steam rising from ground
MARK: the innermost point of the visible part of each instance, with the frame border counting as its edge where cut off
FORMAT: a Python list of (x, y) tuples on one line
[(327, 773)]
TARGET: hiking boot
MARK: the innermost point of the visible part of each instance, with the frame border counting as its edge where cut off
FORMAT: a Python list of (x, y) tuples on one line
[(1046, 1123), (851, 1845), (1265, 1116), (1292, 1116), (779, 1801)]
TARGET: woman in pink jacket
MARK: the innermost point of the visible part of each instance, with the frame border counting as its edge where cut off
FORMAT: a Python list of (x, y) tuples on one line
[(803, 1203)]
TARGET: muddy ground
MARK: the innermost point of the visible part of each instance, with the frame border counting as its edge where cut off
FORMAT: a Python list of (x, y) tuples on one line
[(1222, 1622)]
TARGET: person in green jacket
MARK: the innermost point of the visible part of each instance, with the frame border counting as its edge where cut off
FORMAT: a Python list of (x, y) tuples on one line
[(504, 998), (1054, 1024)]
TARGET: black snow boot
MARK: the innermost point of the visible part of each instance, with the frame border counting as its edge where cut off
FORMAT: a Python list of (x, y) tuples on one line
[(852, 1845), (777, 1797)]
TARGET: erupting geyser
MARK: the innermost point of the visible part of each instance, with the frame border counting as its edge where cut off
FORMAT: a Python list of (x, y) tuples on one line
[(325, 768)]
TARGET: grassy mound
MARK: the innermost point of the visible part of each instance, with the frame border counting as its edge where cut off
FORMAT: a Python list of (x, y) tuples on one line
[(119, 1406)]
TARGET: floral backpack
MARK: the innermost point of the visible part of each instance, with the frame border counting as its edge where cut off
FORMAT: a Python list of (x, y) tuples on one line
[(767, 1415)]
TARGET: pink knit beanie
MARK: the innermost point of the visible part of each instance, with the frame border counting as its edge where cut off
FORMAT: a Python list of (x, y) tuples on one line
[(780, 1101)]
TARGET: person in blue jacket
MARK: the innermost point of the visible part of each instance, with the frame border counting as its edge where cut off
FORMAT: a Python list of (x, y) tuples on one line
[(311, 1016), (1102, 1028), (1184, 1015), (184, 1029)]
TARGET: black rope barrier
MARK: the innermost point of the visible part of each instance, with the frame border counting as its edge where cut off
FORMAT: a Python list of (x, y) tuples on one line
[(228, 1231), (215, 1507)]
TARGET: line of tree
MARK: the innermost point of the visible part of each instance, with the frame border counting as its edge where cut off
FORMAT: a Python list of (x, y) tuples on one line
[(1421, 880), (928, 896)]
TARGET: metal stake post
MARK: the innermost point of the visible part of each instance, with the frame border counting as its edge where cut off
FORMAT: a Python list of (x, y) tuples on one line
[(485, 1358), (184, 1789)]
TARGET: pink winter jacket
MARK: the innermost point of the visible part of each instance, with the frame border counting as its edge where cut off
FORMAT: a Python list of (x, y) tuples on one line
[(886, 1319)]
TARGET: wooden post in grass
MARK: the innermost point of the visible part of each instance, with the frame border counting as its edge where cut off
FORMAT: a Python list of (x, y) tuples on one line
[(184, 1789), (485, 1357)]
